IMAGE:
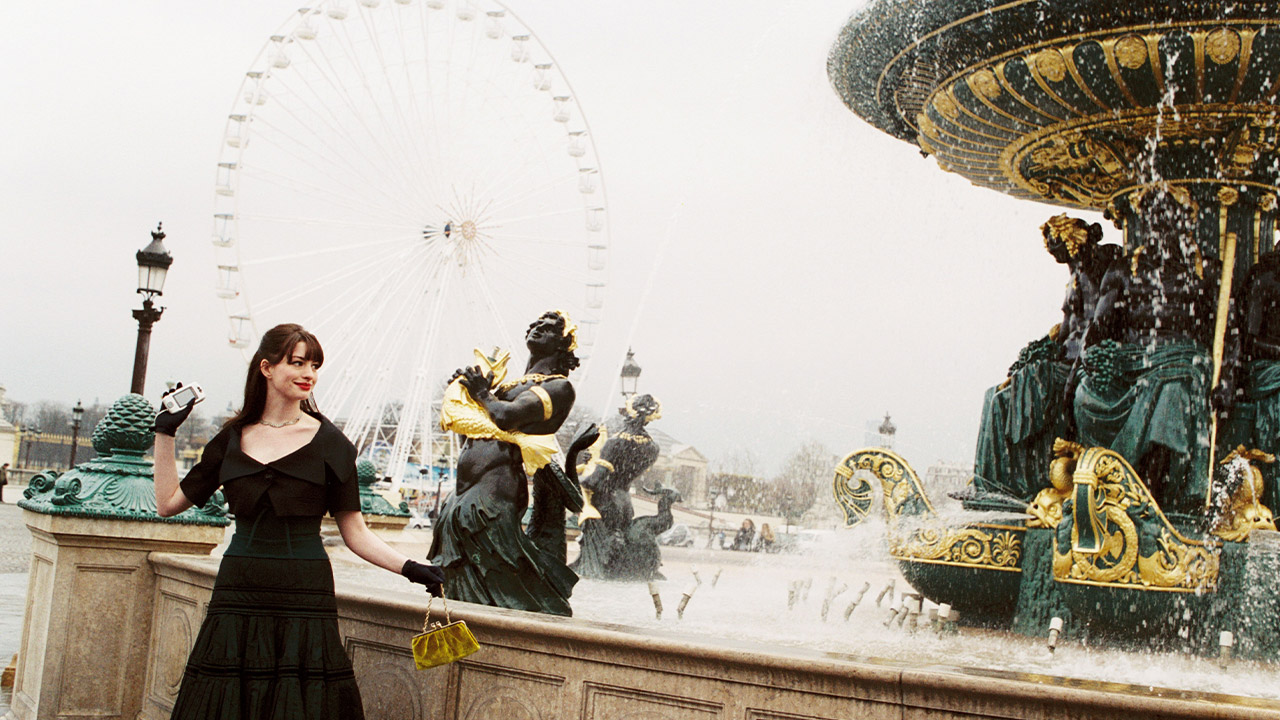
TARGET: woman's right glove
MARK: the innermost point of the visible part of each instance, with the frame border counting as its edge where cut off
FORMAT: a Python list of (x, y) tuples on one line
[(432, 576), (167, 423)]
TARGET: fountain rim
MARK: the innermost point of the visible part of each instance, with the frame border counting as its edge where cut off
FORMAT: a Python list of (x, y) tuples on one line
[(883, 30), (583, 633)]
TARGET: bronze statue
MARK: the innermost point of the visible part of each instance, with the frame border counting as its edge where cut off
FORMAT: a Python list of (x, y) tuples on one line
[(510, 429), (610, 550), (1023, 416), (1146, 364), (1257, 371)]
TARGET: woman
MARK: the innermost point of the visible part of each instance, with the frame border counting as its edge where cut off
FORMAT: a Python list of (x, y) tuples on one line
[(269, 646), (746, 534), (767, 539)]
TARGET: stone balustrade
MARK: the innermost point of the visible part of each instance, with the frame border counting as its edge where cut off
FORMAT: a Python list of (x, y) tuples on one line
[(534, 667)]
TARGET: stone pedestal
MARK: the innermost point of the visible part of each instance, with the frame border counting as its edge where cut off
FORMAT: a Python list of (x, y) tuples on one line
[(89, 613)]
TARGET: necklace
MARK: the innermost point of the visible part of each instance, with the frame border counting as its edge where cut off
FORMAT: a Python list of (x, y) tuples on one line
[(535, 378), (286, 423)]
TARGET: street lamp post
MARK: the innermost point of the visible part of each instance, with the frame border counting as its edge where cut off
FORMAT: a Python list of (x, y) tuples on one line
[(153, 264), (443, 463), (630, 376), (713, 493), (77, 416)]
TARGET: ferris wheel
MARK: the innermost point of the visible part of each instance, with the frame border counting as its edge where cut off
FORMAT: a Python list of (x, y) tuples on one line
[(410, 180)]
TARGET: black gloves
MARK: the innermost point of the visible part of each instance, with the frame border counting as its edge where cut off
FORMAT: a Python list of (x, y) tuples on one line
[(167, 423), (429, 575)]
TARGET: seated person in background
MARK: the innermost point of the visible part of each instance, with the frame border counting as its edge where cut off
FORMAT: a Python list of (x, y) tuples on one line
[(746, 535)]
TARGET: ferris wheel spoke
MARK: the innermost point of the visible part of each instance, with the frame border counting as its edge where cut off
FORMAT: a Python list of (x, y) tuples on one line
[(425, 138), (373, 340), (420, 384), (323, 251), (338, 129), (499, 238), (510, 198), (501, 168), (329, 76), (526, 290), (520, 259), (320, 148), (339, 275), (493, 307), (398, 136), (292, 184), (404, 233), (507, 221), (411, 138)]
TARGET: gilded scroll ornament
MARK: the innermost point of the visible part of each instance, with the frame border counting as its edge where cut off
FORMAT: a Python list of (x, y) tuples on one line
[(1118, 537), (915, 531)]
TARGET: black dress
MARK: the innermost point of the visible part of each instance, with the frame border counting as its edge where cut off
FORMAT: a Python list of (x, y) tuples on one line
[(269, 646)]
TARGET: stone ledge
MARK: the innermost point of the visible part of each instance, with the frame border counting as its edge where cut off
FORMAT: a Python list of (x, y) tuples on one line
[(629, 663)]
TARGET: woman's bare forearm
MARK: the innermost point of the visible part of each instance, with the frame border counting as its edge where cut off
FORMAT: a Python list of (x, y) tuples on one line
[(169, 497)]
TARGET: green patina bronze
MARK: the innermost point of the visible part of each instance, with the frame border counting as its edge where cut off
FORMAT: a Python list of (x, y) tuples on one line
[(371, 503), (1165, 118), (119, 484)]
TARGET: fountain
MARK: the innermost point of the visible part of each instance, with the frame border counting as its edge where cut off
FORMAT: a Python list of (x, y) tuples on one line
[(1121, 491)]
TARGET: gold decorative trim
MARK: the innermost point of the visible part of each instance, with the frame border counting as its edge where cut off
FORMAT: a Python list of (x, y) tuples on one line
[(545, 397), (914, 530), (1107, 548), (1243, 511), (1051, 66)]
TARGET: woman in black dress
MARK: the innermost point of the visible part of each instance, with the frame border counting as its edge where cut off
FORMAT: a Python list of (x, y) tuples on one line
[(269, 646)]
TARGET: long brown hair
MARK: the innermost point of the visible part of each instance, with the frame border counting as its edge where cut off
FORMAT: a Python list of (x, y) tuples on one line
[(276, 344)]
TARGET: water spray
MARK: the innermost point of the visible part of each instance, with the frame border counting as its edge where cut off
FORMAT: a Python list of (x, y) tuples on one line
[(1225, 641), (657, 599), (1055, 629), (888, 590), (849, 610), (688, 593), (832, 594)]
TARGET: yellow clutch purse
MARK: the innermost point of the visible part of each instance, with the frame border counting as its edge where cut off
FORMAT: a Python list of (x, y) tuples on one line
[(440, 644)]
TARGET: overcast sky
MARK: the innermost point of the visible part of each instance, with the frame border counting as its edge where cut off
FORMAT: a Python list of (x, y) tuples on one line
[(811, 273)]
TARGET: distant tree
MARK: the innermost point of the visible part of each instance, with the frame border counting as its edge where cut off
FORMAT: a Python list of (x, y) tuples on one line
[(796, 487)]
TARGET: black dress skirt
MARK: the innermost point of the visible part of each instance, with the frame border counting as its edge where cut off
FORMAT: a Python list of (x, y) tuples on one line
[(269, 646)]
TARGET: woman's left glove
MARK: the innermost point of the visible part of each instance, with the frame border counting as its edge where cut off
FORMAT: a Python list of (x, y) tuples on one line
[(431, 576)]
